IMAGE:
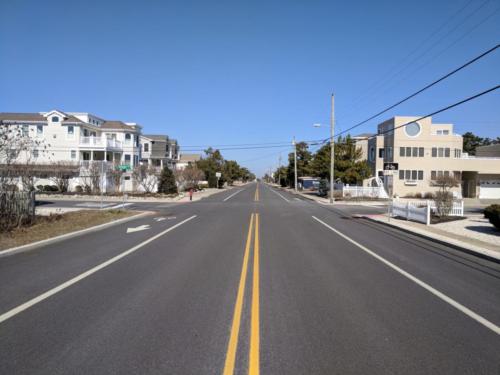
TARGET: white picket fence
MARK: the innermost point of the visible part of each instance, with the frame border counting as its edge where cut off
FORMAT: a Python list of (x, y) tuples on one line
[(364, 191), (421, 210)]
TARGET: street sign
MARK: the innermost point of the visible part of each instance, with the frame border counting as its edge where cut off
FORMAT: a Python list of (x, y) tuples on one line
[(391, 166), (124, 167), (218, 174)]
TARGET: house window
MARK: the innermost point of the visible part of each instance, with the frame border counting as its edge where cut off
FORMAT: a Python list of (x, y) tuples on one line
[(402, 151), (434, 152), (35, 153), (25, 130), (372, 153), (127, 159), (146, 147), (446, 152), (414, 152), (440, 152), (389, 152), (411, 175), (73, 154), (433, 175), (127, 137), (55, 119), (136, 159), (458, 153), (457, 175), (39, 130), (71, 130), (421, 152), (381, 153)]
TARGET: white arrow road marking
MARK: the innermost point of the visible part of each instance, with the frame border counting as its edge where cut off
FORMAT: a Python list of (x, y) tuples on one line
[(160, 218), (137, 229), (171, 218), (16, 310)]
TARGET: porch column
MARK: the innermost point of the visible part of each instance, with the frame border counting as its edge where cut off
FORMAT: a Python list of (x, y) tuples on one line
[(92, 155), (161, 163)]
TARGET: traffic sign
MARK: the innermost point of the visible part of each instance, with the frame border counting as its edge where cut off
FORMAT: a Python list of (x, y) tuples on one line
[(391, 166), (124, 167), (218, 174)]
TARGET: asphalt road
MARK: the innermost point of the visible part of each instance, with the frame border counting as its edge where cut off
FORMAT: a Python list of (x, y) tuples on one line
[(256, 282)]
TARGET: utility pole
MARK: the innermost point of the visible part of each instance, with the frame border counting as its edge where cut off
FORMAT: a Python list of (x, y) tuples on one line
[(332, 151), (295, 161), (279, 171)]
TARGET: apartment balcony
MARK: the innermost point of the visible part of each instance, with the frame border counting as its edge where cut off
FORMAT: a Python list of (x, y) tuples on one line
[(100, 143)]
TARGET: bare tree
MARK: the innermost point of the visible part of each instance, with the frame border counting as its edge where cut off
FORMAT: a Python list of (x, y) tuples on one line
[(61, 173), (146, 177), (90, 177), (17, 154), (443, 197), (189, 177)]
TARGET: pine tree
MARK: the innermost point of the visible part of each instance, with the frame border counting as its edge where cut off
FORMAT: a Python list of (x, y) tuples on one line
[(166, 184)]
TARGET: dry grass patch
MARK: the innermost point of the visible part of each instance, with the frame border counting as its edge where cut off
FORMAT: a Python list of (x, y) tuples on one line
[(57, 224)]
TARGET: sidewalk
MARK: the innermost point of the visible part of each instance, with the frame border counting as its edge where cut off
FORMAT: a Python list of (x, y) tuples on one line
[(182, 197), (455, 238), (313, 196)]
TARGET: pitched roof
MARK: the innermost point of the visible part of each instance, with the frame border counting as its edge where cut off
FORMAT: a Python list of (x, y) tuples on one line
[(363, 135), (156, 137), (189, 158), (22, 116), (116, 125)]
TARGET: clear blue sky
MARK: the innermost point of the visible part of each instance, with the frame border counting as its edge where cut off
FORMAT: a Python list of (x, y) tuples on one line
[(231, 72)]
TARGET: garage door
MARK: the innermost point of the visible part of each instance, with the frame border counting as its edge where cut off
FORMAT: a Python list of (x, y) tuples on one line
[(489, 189)]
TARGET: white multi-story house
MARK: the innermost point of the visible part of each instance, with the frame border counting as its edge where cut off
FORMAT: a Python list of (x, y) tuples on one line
[(78, 137)]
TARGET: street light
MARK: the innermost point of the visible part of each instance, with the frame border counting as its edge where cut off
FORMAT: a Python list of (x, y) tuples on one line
[(332, 146)]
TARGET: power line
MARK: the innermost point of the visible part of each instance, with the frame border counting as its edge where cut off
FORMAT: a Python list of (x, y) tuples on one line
[(470, 98), (468, 16), (470, 62)]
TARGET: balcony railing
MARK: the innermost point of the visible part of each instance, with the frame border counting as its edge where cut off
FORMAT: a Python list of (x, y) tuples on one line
[(113, 143), (91, 141), (99, 142)]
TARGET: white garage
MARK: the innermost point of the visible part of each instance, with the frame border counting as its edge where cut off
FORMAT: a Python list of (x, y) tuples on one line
[(489, 189)]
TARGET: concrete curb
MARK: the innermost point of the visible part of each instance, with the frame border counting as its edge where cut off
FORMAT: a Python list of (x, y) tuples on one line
[(37, 244), (485, 254)]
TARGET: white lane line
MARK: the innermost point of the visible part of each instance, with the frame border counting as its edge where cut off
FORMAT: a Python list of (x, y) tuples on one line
[(232, 195), (471, 314), (275, 192), (16, 310), (121, 205)]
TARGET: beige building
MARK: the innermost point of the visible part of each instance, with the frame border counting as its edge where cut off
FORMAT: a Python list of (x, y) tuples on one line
[(408, 159)]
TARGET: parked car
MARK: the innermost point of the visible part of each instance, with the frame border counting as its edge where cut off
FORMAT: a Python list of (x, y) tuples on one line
[(323, 188)]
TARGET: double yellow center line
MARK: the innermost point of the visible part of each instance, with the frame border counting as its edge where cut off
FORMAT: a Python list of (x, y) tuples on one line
[(254, 353)]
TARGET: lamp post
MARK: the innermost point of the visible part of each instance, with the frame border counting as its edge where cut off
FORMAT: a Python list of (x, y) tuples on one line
[(295, 162), (332, 147)]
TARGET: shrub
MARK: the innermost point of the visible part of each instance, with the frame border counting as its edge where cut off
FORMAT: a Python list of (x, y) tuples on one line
[(490, 210), (418, 195), (166, 184), (78, 189), (50, 188), (429, 195), (39, 187), (492, 213)]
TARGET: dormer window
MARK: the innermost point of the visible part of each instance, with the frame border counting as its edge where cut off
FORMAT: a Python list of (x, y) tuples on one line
[(55, 119)]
